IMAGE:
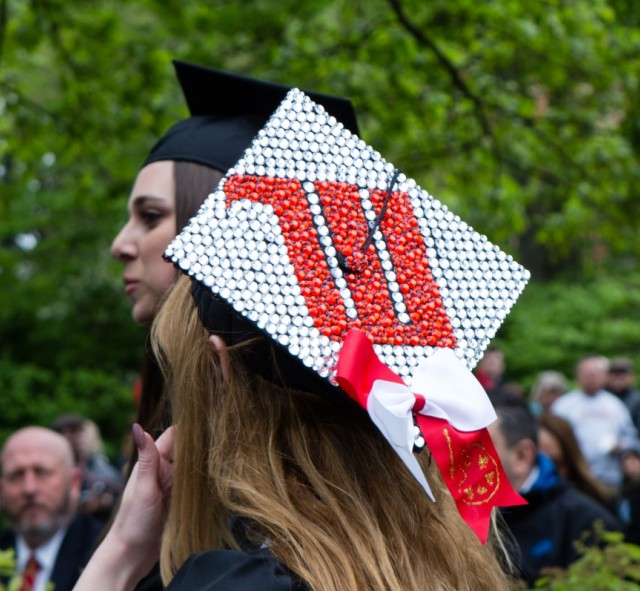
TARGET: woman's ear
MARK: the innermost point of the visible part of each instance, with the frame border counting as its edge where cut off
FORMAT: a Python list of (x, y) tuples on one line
[(218, 344)]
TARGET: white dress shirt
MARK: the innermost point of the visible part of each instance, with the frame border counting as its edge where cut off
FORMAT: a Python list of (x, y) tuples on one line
[(45, 555)]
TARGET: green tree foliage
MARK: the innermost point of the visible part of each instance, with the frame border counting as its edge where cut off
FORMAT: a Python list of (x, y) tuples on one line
[(522, 117), (555, 324)]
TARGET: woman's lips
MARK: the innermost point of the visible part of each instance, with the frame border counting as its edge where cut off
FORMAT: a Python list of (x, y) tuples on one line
[(130, 285)]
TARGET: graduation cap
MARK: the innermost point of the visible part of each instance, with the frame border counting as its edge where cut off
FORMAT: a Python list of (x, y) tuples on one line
[(227, 111), (362, 283)]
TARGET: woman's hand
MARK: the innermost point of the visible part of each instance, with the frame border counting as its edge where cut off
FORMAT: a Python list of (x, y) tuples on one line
[(145, 501), (132, 546)]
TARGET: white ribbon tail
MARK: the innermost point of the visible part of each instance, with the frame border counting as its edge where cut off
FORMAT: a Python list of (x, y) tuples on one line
[(389, 406)]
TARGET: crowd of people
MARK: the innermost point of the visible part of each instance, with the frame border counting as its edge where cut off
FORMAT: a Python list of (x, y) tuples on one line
[(574, 456), (277, 478)]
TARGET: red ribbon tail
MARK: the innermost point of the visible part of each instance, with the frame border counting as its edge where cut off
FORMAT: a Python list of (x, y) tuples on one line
[(472, 471)]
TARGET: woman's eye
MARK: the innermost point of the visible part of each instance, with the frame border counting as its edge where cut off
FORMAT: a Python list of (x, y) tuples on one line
[(151, 217)]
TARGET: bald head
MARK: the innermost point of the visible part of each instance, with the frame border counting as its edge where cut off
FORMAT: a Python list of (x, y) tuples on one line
[(39, 486), (591, 374), (41, 439)]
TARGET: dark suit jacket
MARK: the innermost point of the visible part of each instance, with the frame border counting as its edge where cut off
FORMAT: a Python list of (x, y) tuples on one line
[(77, 547)]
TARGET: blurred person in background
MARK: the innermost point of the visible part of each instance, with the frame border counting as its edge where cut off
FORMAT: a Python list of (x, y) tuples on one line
[(557, 440), (600, 420), (39, 495), (490, 371), (548, 387), (102, 483), (621, 382), (629, 503)]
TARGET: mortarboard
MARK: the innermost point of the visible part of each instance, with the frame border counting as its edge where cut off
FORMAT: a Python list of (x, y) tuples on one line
[(360, 279), (227, 110)]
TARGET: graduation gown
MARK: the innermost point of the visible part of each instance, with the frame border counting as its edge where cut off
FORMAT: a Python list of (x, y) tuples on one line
[(230, 570)]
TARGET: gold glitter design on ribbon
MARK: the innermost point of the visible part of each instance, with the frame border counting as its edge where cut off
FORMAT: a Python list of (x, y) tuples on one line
[(452, 468), (483, 459)]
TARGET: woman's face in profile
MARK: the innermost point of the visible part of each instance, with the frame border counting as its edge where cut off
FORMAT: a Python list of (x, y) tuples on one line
[(143, 239), (550, 446)]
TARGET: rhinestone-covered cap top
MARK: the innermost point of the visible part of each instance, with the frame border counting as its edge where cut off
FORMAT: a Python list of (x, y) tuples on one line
[(312, 233)]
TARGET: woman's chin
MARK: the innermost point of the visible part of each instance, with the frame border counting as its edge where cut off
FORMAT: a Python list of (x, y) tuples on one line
[(142, 314)]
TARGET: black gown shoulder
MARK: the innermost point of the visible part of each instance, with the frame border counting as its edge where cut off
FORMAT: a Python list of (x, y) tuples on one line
[(230, 570)]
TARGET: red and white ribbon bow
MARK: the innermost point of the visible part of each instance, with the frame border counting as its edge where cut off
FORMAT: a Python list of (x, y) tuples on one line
[(451, 409)]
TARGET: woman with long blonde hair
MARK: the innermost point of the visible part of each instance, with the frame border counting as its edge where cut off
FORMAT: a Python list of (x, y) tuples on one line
[(303, 475), (281, 489)]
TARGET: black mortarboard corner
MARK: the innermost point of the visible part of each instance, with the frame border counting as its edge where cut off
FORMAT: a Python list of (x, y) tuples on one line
[(227, 111), (359, 278)]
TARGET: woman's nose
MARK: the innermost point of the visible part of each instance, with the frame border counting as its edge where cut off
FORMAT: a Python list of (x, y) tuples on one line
[(123, 247)]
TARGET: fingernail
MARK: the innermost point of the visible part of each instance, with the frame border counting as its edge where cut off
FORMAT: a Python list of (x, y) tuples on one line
[(138, 436)]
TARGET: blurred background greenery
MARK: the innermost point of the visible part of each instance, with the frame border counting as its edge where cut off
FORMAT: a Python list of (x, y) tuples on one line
[(524, 118)]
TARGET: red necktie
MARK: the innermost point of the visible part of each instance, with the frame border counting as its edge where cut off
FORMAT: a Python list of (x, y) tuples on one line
[(29, 574)]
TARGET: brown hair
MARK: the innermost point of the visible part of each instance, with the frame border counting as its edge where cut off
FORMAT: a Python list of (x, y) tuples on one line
[(577, 469), (193, 182), (308, 474)]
